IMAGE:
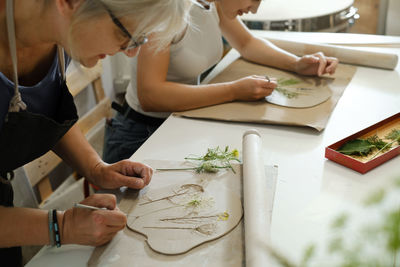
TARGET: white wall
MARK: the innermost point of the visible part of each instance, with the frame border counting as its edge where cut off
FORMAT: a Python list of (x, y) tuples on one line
[(116, 74), (393, 18)]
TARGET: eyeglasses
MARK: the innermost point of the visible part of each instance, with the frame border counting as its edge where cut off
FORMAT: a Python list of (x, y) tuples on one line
[(133, 42)]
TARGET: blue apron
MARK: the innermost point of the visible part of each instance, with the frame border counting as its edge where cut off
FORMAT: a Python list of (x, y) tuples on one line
[(26, 136)]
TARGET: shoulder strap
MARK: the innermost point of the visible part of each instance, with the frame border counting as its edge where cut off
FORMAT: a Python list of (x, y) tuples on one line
[(61, 62), (16, 103)]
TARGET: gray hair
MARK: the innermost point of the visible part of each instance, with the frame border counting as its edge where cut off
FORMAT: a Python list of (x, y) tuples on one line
[(165, 17)]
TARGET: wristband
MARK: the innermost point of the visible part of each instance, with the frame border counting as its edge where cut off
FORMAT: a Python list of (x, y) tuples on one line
[(51, 231), (56, 229)]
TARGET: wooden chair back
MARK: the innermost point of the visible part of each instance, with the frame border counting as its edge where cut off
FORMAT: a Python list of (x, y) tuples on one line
[(77, 80)]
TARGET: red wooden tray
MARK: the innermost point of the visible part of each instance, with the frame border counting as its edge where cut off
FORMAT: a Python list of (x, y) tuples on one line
[(363, 167)]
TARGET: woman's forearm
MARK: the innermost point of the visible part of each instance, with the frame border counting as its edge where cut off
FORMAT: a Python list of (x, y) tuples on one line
[(264, 52), (23, 226), (76, 151), (170, 96)]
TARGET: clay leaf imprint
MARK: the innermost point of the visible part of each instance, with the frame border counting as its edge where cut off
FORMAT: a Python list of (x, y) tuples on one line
[(176, 219)]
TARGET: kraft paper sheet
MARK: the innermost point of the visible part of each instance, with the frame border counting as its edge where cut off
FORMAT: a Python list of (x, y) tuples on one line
[(266, 113)]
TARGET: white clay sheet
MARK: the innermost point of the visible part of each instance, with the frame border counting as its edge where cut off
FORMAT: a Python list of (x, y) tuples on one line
[(129, 248)]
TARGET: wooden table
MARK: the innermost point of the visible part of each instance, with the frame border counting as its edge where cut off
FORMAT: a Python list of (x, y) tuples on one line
[(310, 189)]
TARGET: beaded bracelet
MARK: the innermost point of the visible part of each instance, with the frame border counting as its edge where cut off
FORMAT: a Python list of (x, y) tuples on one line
[(51, 232), (56, 229)]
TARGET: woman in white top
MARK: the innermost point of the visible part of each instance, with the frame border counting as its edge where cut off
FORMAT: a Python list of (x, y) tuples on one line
[(169, 80)]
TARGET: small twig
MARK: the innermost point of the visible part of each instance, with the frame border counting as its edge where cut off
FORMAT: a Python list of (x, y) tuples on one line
[(159, 199), (380, 150), (176, 169), (141, 215), (185, 187), (206, 229), (189, 218)]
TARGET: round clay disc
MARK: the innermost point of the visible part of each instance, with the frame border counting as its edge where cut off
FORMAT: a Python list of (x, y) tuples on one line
[(299, 97)]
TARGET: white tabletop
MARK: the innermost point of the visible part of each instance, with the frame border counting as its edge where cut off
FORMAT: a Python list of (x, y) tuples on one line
[(273, 10), (310, 189)]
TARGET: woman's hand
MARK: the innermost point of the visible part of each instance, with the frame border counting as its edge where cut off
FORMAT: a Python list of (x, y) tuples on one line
[(123, 173), (316, 64), (253, 88), (92, 227)]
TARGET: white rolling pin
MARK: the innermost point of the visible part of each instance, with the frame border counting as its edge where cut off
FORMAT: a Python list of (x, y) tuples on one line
[(256, 202), (344, 54)]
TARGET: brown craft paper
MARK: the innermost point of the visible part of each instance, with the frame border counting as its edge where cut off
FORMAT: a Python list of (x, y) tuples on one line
[(262, 112)]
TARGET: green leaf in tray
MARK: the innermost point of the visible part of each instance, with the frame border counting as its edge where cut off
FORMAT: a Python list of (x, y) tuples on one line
[(357, 147), (394, 135), (377, 142)]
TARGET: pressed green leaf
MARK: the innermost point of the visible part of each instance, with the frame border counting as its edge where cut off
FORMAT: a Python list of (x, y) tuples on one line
[(356, 147), (282, 82), (286, 82), (287, 93)]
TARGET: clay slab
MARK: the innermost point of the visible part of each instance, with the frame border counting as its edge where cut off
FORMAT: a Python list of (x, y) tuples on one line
[(173, 226)]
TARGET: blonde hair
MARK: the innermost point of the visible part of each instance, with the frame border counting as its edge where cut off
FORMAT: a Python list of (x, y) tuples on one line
[(164, 17)]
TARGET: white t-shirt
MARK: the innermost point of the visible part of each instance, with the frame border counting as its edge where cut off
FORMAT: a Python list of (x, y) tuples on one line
[(198, 49)]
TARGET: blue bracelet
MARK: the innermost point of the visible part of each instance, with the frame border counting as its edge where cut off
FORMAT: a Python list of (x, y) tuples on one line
[(51, 232), (56, 229)]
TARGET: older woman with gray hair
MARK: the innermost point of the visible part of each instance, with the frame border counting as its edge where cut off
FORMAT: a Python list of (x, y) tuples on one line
[(37, 112)]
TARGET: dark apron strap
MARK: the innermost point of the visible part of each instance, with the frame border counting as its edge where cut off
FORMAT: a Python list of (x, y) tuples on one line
[(6, 191), (8, 256)]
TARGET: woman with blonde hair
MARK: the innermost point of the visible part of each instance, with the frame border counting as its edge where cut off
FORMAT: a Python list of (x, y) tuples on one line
[(37, 112), (169, 81)]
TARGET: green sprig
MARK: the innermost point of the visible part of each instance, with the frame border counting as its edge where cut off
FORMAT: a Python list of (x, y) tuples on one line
[(394, 135), (282, 82), (214, 160)]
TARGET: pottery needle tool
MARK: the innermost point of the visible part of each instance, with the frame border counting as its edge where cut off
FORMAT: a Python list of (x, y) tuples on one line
[(82, 206)]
